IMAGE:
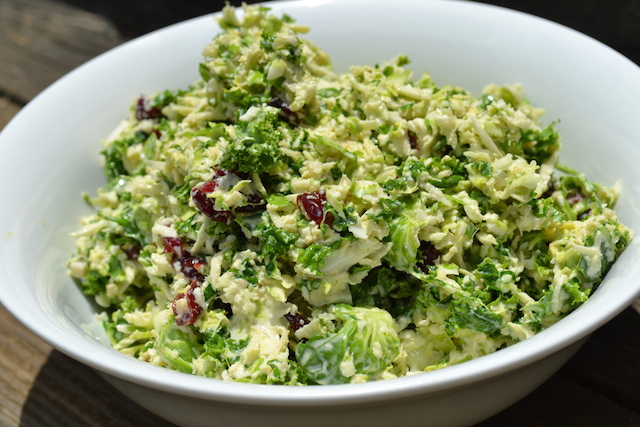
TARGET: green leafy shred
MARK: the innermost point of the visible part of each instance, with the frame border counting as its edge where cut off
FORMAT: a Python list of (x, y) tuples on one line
[(276, 222)]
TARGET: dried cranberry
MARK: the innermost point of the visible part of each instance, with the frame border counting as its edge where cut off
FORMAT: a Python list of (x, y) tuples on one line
[(209, 186), (293, 117), (328, 219), (217, 173), (413, 140), (132, 251), (193, 309), (191, 266), (312, 205), (206, 204), (428, 255), (296, 320), (173, 245), (551, 187), (584, 215), (144, 112), (574, 198)]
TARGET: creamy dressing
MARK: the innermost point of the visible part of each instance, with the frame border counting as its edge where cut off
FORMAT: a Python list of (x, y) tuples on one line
[(279, 223)]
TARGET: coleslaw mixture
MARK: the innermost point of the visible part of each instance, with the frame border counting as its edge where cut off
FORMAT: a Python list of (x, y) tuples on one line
[(280, 223)]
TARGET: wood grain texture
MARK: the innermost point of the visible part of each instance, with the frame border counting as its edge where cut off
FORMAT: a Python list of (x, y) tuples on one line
[(41, 40), (43, 387), (21, 357), (66, 392)]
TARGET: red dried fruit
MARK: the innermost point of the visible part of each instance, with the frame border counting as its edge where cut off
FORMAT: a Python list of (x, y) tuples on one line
[(312, 205), (209, 186), (296, 320), (144, 112), (132, 251), (190, 265), (584, 215), (574, 198), (173, 245), (206, 204), (428, 255), (551, 187), (413, 140), (186, 312), (293, 117)]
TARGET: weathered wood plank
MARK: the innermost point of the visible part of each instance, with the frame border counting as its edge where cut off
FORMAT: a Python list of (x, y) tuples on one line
[(66, 392), (43, 40), (40, 41), (21, 355), (41, 386)]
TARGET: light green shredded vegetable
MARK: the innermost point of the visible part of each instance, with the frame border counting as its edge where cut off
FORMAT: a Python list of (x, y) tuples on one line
[(280, 223)]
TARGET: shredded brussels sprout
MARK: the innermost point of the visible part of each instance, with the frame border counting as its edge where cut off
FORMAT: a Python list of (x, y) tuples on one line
[(280, 223)]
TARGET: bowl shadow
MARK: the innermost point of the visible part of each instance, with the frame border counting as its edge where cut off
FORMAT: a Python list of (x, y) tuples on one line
[(595, 388), (68, 393)]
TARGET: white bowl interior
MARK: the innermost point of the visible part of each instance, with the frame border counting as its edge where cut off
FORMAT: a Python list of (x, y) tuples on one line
[(49, 156)]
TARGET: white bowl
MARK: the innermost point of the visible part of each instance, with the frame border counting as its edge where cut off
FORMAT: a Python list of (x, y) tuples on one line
[(49, 156)]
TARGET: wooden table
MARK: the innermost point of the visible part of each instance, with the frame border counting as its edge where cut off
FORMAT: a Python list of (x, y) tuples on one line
[(41, 40)]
